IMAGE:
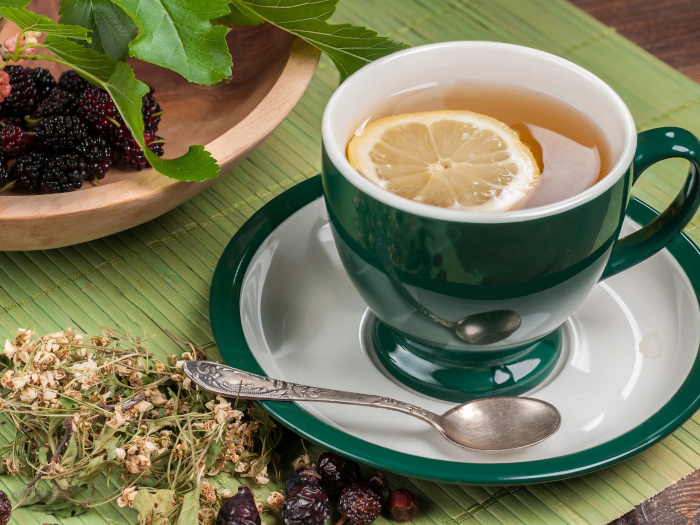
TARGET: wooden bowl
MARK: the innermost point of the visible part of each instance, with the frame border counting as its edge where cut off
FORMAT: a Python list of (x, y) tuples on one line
[(271, 71)]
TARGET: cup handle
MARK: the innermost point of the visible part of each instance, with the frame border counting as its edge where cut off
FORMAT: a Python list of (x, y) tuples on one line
[(653, 146)]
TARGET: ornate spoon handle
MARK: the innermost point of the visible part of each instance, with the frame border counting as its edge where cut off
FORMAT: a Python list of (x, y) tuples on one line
[(232, 382)]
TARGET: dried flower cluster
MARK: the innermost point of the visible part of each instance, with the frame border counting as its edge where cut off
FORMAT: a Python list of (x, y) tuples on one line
[(81, 408)]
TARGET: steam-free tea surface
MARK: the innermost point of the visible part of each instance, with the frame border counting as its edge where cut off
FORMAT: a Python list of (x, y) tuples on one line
[(569, 148), (156, 277)]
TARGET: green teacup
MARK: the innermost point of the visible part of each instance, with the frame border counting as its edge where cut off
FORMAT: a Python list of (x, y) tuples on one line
[(469, 304)]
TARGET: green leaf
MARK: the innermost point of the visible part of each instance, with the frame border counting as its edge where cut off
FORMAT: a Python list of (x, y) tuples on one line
[(16, 3), (29, 21), (95, 468), (117, 78), (349, 47), (154, 507), (239, 17), (179, 35), (65, 509), (112, 29), (189, 512), (214, 451), (68, 403), (70, 453), (25, 496)]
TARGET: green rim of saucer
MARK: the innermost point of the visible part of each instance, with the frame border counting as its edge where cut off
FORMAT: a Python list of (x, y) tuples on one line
[(228, 332)]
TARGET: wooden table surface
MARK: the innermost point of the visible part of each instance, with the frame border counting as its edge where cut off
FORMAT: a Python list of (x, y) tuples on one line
[(668, 29)]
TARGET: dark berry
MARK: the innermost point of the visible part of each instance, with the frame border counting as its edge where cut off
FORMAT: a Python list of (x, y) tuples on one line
[(240, 509), (16, 121), (306, 503), (151, 111), (45, 173), (336, 472), (23, 97), (72, 168), (73, 82), (5, 177), (98, 155), (5, 508), (44, 81), (132, 155), (58, 102), (94, 105), (14, 141), (359, 503), (403, 504), (61, 133), (28, 169)]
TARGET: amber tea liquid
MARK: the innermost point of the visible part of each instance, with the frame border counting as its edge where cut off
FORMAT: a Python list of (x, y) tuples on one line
[(570, 149)]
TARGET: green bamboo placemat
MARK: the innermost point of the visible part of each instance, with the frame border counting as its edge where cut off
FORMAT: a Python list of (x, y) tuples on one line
[(156, 277)]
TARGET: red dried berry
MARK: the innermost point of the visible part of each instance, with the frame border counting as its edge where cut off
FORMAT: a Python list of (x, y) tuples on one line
[(306, 503), (240, 509), (403, 504), (360, 504), (336, 472), (5, 508)]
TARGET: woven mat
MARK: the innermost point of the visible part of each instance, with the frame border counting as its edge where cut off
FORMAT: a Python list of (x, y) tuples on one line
[(156, 277)]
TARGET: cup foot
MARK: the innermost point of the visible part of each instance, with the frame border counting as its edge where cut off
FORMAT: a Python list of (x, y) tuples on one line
[(477, 374)]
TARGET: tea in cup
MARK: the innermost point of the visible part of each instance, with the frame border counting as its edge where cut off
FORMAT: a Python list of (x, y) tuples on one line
[(467, 301)]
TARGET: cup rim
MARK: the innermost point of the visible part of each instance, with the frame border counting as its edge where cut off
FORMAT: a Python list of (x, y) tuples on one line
[(339, 160)]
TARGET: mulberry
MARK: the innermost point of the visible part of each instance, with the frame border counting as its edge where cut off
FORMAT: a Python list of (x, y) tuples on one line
[(44, 81), (5, 177), (61, 133), (98, 155), (58, 102), (132, 155), (14, 141), (151, 111), (94, 105), (27, 170), (73, 82), (23, 97)]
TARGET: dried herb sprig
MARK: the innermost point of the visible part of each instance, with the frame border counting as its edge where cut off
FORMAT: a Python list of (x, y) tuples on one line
[(82, 409)]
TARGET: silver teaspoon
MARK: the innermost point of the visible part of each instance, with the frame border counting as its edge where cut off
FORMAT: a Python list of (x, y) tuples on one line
[(490, 424)]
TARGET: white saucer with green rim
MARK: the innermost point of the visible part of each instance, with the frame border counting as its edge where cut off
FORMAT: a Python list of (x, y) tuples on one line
[(281, 305)]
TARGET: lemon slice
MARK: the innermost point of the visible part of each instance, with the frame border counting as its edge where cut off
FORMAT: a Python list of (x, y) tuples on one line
[(453, 159)]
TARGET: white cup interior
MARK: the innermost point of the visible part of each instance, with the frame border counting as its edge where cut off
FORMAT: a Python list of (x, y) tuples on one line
[(454, 63)]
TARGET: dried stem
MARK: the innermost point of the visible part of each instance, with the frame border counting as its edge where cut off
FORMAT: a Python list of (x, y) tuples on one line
[(56, 454), (128, 404)]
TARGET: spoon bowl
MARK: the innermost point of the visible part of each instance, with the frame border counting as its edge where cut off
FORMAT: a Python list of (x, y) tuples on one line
[(491, 424), (499, 423)]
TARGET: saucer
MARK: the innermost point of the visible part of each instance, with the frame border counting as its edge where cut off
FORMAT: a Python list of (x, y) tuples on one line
[(281, 305)]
